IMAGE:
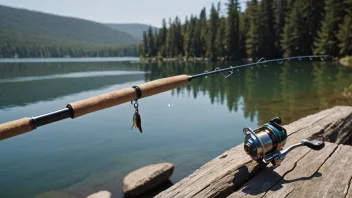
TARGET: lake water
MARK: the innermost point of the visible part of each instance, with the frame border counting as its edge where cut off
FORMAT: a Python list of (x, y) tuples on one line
[(187, 126)]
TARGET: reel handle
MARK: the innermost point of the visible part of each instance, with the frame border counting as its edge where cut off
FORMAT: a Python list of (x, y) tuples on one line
[(277, 157), (313, 144)]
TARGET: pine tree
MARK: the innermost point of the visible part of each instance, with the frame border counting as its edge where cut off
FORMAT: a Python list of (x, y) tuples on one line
[(197, 43), (220, 38), (170, 40), (243, 29), (144, 48), (213, 24), (327, 43), (156, 42), (185, 26), (281, 9), (151, 42), (178, 37), (232, 29), (252, 37), (203, 32), (162, 39), (301, 26), (189, 38), (345, 31), (291, 36), (266, 31)]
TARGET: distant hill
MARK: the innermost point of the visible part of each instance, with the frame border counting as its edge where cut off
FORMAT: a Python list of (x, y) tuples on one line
[(134, 29), (22, 29)]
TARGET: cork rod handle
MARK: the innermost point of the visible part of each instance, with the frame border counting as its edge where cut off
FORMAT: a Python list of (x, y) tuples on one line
[(107, 100), (14, 128)]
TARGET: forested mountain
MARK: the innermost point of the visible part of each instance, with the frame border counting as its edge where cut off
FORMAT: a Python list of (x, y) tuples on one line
[(27, 33), (134, 29), (266, 28)]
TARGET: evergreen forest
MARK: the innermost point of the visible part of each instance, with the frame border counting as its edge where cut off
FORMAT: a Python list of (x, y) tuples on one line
[(266, 28)]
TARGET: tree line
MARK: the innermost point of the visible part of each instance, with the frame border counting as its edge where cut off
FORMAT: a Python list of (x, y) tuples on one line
[(267, 28), (40, 47)]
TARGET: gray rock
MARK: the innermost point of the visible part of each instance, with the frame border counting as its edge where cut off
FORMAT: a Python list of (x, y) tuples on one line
[(100, 194), (146, 178)]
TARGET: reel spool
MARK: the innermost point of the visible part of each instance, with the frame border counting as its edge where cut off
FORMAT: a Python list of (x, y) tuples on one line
[(266, 142)]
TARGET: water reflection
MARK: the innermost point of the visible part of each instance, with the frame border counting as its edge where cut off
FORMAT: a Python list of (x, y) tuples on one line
[(22, 84), (13, 70), (290, 90), (96, 151)]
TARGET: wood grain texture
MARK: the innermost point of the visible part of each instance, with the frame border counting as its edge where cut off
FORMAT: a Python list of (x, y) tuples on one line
[(14, 128), (114, 98), (235, 171)]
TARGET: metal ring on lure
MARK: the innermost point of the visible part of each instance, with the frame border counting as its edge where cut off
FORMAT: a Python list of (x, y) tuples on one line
[(138, 92)]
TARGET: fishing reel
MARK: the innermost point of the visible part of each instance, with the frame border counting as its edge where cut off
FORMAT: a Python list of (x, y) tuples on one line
[(266, 143)]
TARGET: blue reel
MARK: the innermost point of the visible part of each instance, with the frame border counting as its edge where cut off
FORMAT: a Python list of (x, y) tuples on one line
[(266, 143)]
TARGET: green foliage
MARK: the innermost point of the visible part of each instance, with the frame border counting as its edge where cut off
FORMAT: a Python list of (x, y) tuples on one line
[(188, 38), (220, 34), (267, 28), (213, 24), (232, 29), (301, 28), (327, 42), (202, 25), (345, 31), (266, 22), (151, 42), (220, 38), (252, 39), (26, 33)]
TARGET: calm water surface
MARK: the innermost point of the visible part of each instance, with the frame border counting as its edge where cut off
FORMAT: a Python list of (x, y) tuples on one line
[(187, 126)]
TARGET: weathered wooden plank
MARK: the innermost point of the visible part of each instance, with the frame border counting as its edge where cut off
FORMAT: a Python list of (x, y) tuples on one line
[(286, 177), (349, 193), (333, 179), (228, 172), (216, 176)]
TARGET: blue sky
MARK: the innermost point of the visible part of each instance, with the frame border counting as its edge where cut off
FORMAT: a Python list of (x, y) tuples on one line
[(149, 12)]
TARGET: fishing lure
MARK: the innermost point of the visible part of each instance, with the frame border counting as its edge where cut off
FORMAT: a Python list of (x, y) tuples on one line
[(136, 121)]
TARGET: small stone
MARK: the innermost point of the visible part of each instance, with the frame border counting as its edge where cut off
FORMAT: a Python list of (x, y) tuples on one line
[(146, 178), (100, 194)]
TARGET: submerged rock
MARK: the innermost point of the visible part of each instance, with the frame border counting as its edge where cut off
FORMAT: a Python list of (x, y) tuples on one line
[(100, 194), (146, 178)]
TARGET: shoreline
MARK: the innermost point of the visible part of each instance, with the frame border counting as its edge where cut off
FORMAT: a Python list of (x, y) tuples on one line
[(191, 59), (342, 60)]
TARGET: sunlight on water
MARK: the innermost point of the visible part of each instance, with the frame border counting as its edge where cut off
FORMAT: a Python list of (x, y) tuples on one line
[(72, 75)]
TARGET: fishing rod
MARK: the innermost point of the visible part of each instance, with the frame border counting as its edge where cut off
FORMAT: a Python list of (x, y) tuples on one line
[(103, 101)]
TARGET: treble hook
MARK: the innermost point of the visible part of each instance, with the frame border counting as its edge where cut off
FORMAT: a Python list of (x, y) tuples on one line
[(136, 120)]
